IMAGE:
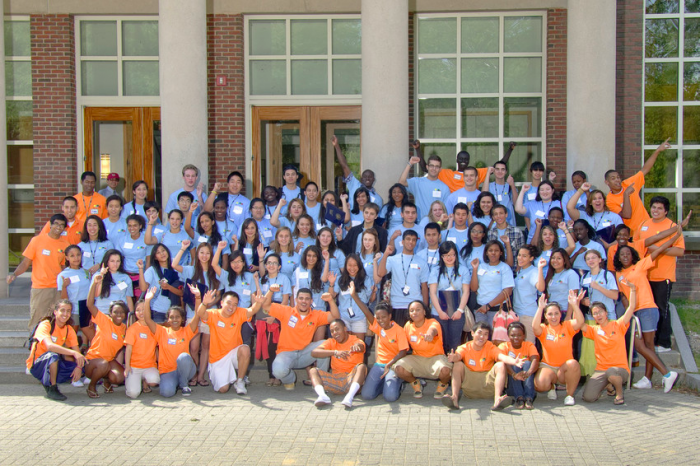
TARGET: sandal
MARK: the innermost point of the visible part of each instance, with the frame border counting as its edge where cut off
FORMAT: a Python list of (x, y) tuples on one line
[(618, 401), (92, 393), (108, 387), (269, 383), (307, 383), (417, 389), (503, 402), (203, 383), (611, 391), (146, 389), (528, 404), (520, 403), (277, 383), (192, 383)]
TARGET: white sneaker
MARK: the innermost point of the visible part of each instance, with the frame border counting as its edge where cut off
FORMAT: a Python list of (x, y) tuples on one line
[(347, 402), (86, 381), (78, 384), (322, 400), (246, 380), (662, 349), (569, 401), (552, 394), (239, 385), (643, 383), (668, 381)]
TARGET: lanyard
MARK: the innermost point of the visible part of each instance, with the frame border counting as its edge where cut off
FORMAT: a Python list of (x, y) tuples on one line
[(92, 252), (503, 191), (87, 212), (233, 203), (430, 263), (602, 217), (406, 270)]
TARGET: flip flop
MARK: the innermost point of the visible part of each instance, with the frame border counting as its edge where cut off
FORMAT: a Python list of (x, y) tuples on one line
[(618, 401), (447, 401), (269, 383), (528, 404), (92, 393), (203, 383), (192, 383), (307, 383), (146, 389), (277, 383), (503, 403), (108, 387)]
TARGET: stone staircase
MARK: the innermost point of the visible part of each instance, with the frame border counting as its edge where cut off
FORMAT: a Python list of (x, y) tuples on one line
[(14, 318)]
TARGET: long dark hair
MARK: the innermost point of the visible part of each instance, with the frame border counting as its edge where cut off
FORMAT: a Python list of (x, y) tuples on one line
[(469, 247), (101, 230), (274, 255), (445, 248), (322, 210), (360, 277), (312, 230), (555, 196), (478, 212), (551, 272), (154, 262), (316, 284), (358, 191), (133, 188), (243, 240), (108, 281), (199, 273), (215, 236), (390, 205), (617, 263), (232, 275), (332, 246)]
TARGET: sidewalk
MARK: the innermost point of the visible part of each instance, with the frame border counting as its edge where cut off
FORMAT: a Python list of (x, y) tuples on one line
[(273, 427)]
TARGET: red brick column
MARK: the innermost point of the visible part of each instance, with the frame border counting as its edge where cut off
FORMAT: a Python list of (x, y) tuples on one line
[(687, 276), (555, 103), (53, 91)]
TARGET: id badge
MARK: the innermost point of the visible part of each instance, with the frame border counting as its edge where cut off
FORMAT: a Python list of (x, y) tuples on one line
[(237, 209), (221, 324), (550, 337), (499, 198), (351, 313), (531, 196), (143, 336), (172, 341), (405, 290), (383, 333), (114, 336), (601, 332)]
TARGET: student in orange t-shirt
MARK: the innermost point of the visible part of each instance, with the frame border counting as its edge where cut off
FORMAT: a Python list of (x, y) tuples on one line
[(608, 337), (428, 359), (74, 227), (479, 370), (558, 364), (55, 357), (107, 343), (521, 380), (349, 371), (392, 345), (140, 368), (297, 327), (89, 201), (228, 355), (623, 237)]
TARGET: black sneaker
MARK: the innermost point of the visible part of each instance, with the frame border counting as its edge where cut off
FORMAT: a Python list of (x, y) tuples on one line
[(53, 393)]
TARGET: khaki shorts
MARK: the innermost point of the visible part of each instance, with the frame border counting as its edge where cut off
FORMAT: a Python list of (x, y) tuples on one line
[(599, 380), (338, 383), (426, 368), (40, 302), (479, 384)]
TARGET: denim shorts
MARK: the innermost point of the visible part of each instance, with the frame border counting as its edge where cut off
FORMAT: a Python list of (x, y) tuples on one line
[(648, 318)]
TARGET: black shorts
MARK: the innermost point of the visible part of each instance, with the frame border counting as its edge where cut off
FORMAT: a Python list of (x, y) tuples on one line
[(84, 314)]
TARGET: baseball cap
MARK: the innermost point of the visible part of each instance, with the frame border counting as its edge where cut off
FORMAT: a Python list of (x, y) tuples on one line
[(113, 176)]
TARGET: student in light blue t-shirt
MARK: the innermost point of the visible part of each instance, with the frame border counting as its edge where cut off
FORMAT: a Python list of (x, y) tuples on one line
[(294, 209), (425, 189), (137, 206), (525, 288), (458, 232), (560, 279), (155, 277), (409, 214), (584, 234), (114, 223), (94, 243), (339, 286), (492, 280), (537, 209), (73, 284), (578, 178)]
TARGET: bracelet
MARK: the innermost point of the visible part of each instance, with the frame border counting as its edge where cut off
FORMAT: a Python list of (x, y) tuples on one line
[(214, 193)]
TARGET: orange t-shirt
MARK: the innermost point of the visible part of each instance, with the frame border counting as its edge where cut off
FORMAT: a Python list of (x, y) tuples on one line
[(556, 343), (609, 343), (47, 256), (343, 366), (612, 250), (61, 336), (455, 179), (665, 266), (108, 339), (479, 360), (296, 332), (91, 205), (390, 341), (616, 201), (637, 274), (426, 349), (143, 343), (526, 351), (72, 233), (172, 344), (225, 332)]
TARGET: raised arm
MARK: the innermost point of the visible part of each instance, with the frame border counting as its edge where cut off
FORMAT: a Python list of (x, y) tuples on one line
[(513, 188), (209, 204), (506, 156), (275, 217), (148, 238), (416, 149), (387, 252), (574, 213), (342, 161), (474, 284), (577, 319), (626, 211), (632, 306), (209, 298), (662, 249), (176, 260), (363, 307), (570, 244), (152, 326), (95, 290), (519, 206), (188, 219), (331, 304), (537, 320), (487, 180), (215, 260), (403, 179), (541, 264), (646, 168), (536, 235)]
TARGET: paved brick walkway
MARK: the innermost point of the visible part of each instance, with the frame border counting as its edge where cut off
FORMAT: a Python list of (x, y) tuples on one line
[(271, 426)]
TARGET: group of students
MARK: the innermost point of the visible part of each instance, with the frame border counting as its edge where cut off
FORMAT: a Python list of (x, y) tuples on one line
[(444, 286)]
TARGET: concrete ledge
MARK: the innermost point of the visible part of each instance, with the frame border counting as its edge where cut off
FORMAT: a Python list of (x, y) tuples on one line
[(682, 341)]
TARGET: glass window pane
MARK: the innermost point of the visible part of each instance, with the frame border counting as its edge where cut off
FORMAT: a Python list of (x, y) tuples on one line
[(446, 151), (522, 74), (19, 120), (141, 78), (18, 243), (347, 76), (17, 39), (98, 38), (437, 76), (268, 77), (309, 77), (348, 134), (672, 211), (691, 168), (663, 173), (691, 201), (20, 165), (480, 118), (98, 77), (691, 125), (20, 208), (482, 154), (347, 36), (479, 35), (661, 38), (267, 37), (661, 82), (691, 81), (437, 35), (309, 37), (662, 6), (692, 6), (659, 124), (523, 34), (18, 78), (522, 157), (691, 46), (140, 38), (479, 75), (522, 117), (438, 118)]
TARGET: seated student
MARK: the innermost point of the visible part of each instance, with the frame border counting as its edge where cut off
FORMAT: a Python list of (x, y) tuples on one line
[(94, 243), (238, 204), (481, 209), (114, 223), (297, 327), (294, 210), (353, 281), (111, 188), (504, 189), (154, 277), (537, 208), (73, 284), (584, 233), (428, 359), (457, 230), (596, 211), (392, 345), (346, 353), (608, 336), (437, 214), (479, 370), (492, 281), (578, 180), (139, 191), (140, 367), (54, 354), (521, 380), (89, 201), (409, 275), (428, 188), (175, 365), (409, 215), (107, 343), (431, 254), (190, 174), (228, 355), (468, 194), (171, 236), (558, 364), (366, 180), (74, 228), (504, 232), (352, 241), (391, 211)]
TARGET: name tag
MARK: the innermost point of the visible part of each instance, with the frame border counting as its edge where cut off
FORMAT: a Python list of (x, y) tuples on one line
[(481, 272), (65, 233), (437, 193), (511, 354), (143, 336), (415, 266), (172, 341), (601, 332), (121, 286), (587, 281), (499, 198), (531, 196), (75, 279), (201, 239), (539, 213), (292, 323), (94, 211), (114, 336), (237, 209), (472, 362), (87, 254), (267, 233), (550, 337), (267, 216), (606, 223), (645, 228), (405, 290), (46, 252), (452, 238), (319, 226), (414, 338), (248, 251), (382, 333), (549, 254), (372, 197), (220, 324), (54, 339), (157, 231), (303, 274), (246, 292), (431, 260), (128, 245), (457, 176), (356, 222), (345, 293)]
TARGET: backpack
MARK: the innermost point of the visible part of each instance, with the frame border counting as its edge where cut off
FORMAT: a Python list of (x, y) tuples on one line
[(32, 341)]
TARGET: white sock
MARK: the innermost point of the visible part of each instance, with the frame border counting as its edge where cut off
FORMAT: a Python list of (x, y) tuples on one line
[(354, 388), (319, 390)]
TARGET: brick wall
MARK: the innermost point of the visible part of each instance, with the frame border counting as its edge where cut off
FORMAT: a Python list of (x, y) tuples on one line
[(555, 105), (53, 91), (688, 276), (226, 103), (629, 81)]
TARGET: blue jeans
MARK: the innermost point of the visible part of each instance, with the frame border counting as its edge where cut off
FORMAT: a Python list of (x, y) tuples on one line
[(170, 381), (390, 385), (452, 332), (286, 361), (520, 389)]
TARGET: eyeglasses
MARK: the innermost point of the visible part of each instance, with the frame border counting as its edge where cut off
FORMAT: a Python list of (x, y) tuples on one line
[(272, 263), (432, 165)]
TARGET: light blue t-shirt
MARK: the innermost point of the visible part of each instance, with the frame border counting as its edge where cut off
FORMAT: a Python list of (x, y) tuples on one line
[(120, 289), (172, 201), (173, 241), (601, 220), (94, 252), (525, 292), (282, 281), (285, 222), (308, 241), (431, 258), (535, 210), (368, 264), (228, 229), (425, 191), (461, 195), (337, 262), (349, 310), (159, 303), (580, 204), (244, 287), (493, 279), (288, 263), (580, 261), (314, 212), (302, 279), (353, 184), (559, 286), (265, 230), (459, 237), (477, 253), (130, 208), (238, 211), (406, 271), (606, 280), (200, 238), (133, 250), (393, 219), (443, 280), (504, 196), (114, 229), (290, 194), (546, 255), (78, 287), (398, 242)]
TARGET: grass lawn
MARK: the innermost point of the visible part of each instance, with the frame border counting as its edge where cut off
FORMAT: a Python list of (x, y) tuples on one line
[(689, 313)]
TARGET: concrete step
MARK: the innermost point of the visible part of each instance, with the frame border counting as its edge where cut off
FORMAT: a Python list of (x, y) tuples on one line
[(11, 357), (638, 373), (15, 375), (13, 339), (670, 359), (14, 324), (15, 310)]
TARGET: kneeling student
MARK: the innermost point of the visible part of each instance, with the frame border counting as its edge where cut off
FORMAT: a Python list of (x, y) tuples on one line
[(140, 367), (349, 372)]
